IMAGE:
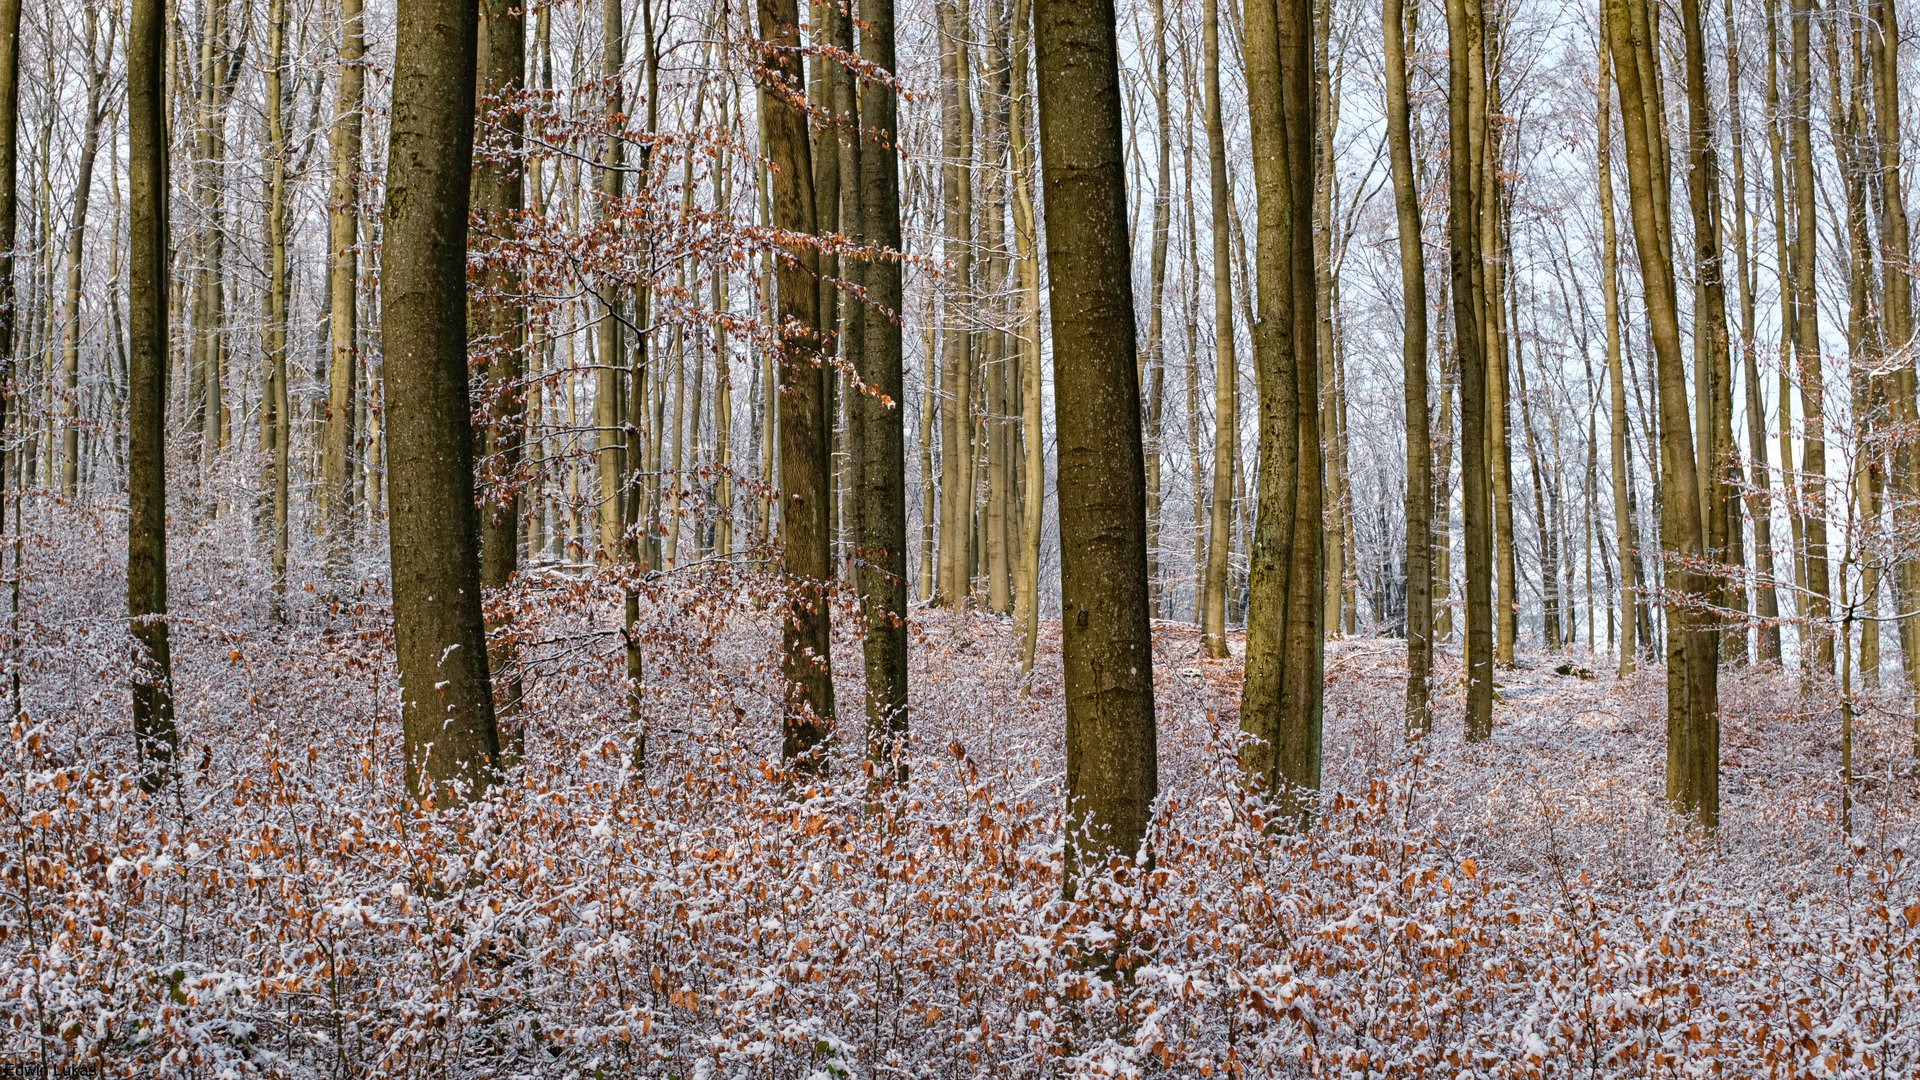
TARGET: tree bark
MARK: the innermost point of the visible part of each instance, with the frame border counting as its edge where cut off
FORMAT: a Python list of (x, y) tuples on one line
[(1816, 636), (805, 480), (1226, 376), (1766, 604), (956, 375), (499, 189), (154, 735), (1466, 127), (276, 426), (1281, 703), (76, 247), (452, 743), (1394, 19), (1106, 635), (1027, 258), (343, 273), (1693, 732), (1625, 534), (883, 475)]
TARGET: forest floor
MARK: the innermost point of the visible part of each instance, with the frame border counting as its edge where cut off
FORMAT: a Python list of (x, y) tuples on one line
[(1525, 906)]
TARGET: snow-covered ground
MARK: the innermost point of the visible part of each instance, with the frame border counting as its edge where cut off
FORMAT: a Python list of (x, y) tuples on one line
[(1523, 907)]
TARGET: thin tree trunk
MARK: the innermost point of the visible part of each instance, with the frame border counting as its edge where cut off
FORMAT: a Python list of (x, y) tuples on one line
[(1766, 604), (956, 375), (498, 195), (1153, 374), (276, 425), (1027, 259), (883, 475), (611, 464), (343, 273), (1718, 464), (1466, 124), (1396, 22), (1817, 636), (996, 120), (1624, 532), (76, 246), (154, 736), (1226, 374), (1896, 318)]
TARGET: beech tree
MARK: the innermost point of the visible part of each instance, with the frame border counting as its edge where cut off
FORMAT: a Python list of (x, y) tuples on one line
[(1280, 706), (1106, 612), (155, 738), (446, 696), (806, 491)]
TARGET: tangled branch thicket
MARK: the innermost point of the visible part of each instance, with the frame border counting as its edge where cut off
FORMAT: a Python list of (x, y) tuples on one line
[(1519, 908)]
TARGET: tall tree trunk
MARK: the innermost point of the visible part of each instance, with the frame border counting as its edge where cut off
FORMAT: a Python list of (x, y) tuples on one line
[(1766, 604), (1495, 283), (1719, 468), (498, 196), (1624, 532), (452, 743), (76, 247), (343, 273), (1153, 364), (610, 393), (1226, 375), (1693, 732), (1783, 269), (805, 481), (1027, 259), (956, 374), (1817, 637), (276, 427), (154, 736), (1328, 397), (883, 473), (1106, 634), (1281, 705), (999, 356), (1896, 307), (1395, 20), (1466, 128)]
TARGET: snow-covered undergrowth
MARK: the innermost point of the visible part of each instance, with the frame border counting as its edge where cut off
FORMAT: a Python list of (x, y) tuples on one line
[(1519, 908)]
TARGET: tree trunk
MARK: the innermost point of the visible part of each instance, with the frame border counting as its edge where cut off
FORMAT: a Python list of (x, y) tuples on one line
[(276, 427), (1106, 634), (1625, 536), (498, 195), (805, 481), (76, 241), (154, 736), (1226, 375), (1816, 635), (1896, 318), (1027, 257), (1281, 703), (1718, 466), (343, 273), (1693, 733), (1394, 22), (883, 475), (611, 465), (956, 375), (1766, 604), (452, 744), (1466, 128)]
